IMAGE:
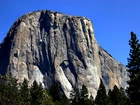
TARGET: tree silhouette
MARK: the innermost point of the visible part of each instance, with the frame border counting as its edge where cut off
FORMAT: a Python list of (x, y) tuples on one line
[(102, 98), (133, 67)]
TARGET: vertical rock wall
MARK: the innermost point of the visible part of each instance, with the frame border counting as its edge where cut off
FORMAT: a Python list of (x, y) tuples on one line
[(48, 46)]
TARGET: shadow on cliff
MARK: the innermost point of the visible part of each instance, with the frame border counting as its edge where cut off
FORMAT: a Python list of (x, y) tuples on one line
[(46, 65), (5, 48)]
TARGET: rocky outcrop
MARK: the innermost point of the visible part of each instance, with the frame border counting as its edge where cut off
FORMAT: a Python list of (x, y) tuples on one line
[(47, 46)]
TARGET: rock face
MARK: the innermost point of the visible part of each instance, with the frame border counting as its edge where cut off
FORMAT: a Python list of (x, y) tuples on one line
[(48, 46)]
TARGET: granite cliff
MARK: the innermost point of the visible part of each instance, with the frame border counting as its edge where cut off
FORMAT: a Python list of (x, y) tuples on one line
[(47, 46)]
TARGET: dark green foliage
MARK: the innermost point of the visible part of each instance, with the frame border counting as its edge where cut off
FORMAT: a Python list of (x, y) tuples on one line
[(84, 100), (81, 99), (102, 98), (25, 93), (58, 97), (46, 98), (64, 100), (9, 94), (133, 66), (13, 93), (36, 94), (117, 96), (40, 96), (55, 92), (114, 96), (124, 98)]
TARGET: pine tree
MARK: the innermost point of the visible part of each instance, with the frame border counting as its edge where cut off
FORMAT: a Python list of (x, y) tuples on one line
[(117, 96), (36, 92), (134, 70), (25, 93), (81, 99), (102, 98), (9, 92), (124, 98), (84, 96), (3, 90), (47, 99), (114, 96), (55, 92)]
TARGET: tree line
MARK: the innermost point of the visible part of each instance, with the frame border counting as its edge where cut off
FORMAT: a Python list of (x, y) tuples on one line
[(14, 93)]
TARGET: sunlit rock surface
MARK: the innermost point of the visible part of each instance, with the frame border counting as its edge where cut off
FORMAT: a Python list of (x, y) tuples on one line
[(48, 46)]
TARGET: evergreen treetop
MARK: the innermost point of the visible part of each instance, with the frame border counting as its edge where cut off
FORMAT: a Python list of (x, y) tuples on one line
[(133, 67), (102, 98)]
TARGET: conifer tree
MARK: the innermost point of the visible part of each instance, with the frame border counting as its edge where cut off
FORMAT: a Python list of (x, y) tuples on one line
[(114, 96), (47, 99), (124, 97), (9, 92), (13, 93), (102, 98), (84, 100), (25, 93), (3, 90), (133, 67), (36, 92), (117, 96), (55, 92)]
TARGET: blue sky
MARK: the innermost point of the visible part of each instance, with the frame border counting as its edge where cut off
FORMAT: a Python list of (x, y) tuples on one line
[(113, 20)]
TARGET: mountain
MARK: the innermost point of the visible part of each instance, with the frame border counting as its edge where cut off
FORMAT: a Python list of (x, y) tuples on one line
[(49, 46)]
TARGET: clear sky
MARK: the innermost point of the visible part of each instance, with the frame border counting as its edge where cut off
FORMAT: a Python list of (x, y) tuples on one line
[(113, 20)]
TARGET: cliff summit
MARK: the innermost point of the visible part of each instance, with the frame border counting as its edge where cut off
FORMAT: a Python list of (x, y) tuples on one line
[(49, 46)]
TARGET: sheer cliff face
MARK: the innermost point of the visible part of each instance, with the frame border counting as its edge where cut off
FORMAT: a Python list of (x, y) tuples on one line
[(48, 46)]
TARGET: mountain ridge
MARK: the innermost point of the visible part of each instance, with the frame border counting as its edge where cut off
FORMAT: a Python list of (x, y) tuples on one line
[(49, 46)]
